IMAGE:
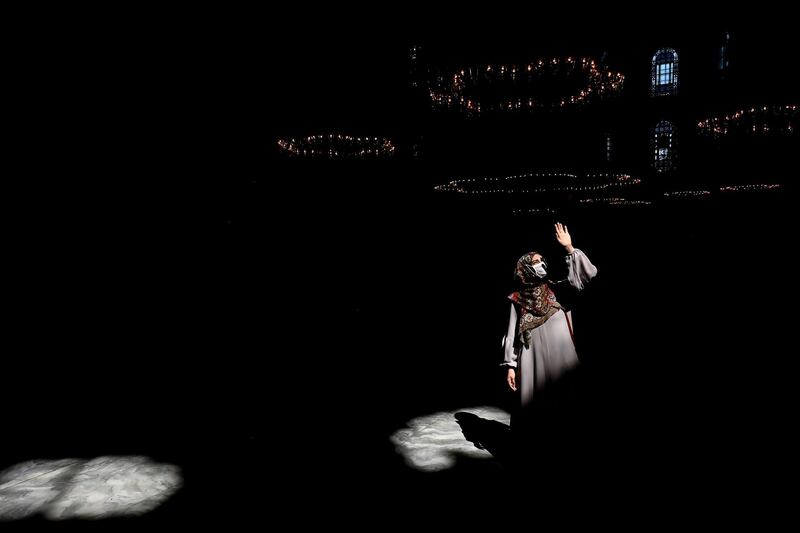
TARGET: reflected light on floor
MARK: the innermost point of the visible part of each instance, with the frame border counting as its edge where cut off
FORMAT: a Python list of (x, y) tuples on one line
[(86, 488), (432, 442)]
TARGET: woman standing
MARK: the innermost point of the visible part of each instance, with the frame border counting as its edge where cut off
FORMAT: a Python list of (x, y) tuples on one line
[(539, 347)]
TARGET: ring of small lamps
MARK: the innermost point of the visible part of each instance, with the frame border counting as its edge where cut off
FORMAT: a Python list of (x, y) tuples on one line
[(601, 82), (534, 211), (745, 120), (337, 146), (686, 194), (618, 201), (614, 201), (749, 188), (460, 185)]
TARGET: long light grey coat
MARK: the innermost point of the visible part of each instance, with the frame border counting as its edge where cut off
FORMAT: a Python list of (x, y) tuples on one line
[(552, 350)]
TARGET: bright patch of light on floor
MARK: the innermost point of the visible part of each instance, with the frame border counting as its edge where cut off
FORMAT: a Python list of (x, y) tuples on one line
[(433, 442), (89, 489)]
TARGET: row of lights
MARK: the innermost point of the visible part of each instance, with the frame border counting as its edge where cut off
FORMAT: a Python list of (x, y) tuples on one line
[(600, 82), (603, 199), (534, 211), (687, 194), (601, 187), (613, 201), (624, 202), (455, 185), (754, 120), (336, 146), (750, 188), (619, 201), (461, 185)]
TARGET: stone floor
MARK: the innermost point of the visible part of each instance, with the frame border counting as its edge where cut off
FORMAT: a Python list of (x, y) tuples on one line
[(86, 489)]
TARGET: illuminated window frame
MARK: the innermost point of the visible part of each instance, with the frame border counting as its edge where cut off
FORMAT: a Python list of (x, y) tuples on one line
[(663, 146), (664, 74)]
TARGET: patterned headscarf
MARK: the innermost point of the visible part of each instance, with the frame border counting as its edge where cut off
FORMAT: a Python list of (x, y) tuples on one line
[(535, 298)]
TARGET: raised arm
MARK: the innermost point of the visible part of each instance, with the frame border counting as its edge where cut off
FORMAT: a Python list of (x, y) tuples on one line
[(579, 269)]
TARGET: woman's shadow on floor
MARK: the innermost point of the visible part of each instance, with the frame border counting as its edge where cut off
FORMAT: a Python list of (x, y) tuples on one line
[(489, 435), (550, 424)]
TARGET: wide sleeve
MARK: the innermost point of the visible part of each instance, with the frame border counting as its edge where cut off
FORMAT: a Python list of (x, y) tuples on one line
[(579, 269), (510, 354)]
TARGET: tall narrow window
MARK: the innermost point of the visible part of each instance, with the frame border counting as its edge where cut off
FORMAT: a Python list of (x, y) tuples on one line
[(665, 72), (663, 146), (413, 56), (609, 147), (724, 62)]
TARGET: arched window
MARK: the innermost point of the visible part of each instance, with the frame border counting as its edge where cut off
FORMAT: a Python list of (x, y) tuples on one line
[(664, 79), (663, 146)]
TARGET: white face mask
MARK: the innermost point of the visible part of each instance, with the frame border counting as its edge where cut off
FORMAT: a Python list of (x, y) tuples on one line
[(538, 269)]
